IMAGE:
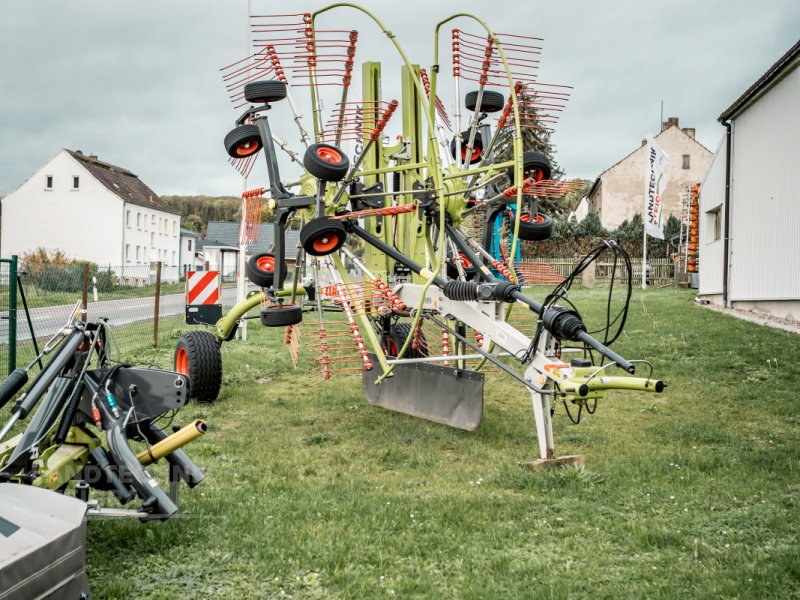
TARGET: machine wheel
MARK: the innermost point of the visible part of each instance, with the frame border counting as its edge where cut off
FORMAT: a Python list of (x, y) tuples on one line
[(261, 269), (326, 162), (535, 165), (535, 228), (398, 334), (322, 236), (470, 270), (197, 355), (265, 91), (243, 141), (491, 102), (477, 147), (281, 315)]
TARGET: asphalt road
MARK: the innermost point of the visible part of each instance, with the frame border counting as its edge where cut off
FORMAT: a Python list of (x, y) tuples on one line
[(48, 320)]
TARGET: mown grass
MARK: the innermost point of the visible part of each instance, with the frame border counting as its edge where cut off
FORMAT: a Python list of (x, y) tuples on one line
[(313, 493)]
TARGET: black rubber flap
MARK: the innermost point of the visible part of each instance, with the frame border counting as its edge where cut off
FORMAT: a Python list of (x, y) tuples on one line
[(440, 394)]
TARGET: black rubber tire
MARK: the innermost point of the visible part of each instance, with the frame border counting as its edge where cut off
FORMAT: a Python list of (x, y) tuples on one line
[(538, 230), (491, 102), (281, 315), (322, 236), (398, 334), (243, 141), (259, 275), (197, 355), (477, 148), (264, 92), (470, 271), (326, 162), (534, 160)]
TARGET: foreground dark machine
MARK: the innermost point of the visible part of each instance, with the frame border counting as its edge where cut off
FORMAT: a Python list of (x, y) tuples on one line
[(89, 420)]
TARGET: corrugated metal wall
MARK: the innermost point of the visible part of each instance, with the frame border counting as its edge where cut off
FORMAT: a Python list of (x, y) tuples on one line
[(712, 197), (765, 196)]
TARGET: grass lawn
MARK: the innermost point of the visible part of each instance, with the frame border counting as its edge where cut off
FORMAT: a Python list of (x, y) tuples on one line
[(313, 493)]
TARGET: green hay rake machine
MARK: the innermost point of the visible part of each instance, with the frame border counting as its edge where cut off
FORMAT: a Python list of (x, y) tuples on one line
[(424, 312)]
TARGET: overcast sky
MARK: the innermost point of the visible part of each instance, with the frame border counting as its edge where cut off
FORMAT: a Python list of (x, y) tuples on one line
[(138, 83)]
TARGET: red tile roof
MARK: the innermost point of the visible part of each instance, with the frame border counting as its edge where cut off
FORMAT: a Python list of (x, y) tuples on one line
[(122, 182)]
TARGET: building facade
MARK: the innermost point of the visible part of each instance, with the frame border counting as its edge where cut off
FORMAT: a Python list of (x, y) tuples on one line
[(221, 245), (190, 257), (749, 207), (618, 193), (93, 211)]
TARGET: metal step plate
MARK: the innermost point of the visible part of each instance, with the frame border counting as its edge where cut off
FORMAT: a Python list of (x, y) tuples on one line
[(440, 394)]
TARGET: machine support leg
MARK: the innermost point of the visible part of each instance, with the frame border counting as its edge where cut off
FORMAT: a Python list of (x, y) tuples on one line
[(544, 434)]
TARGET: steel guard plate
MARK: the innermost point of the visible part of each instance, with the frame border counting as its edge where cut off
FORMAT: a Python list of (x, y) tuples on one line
[(440, 394)]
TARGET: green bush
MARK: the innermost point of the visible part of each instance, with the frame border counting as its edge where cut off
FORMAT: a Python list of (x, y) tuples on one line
[(52, 271)]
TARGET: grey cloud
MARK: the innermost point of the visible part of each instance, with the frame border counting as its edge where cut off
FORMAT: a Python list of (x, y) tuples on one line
[(138, 82)]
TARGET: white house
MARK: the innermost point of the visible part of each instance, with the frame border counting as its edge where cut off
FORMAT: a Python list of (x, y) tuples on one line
[(618, 193), (190, 256), (94, 211), (749, 208)]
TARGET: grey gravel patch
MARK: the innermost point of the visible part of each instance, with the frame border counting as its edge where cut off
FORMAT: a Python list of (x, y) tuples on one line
[(756, 317)]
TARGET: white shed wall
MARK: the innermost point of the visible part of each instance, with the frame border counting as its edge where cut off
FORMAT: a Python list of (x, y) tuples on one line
[(712, 197), (765, 207)]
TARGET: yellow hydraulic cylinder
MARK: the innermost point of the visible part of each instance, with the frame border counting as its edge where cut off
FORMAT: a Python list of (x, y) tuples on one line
[(169, 444)]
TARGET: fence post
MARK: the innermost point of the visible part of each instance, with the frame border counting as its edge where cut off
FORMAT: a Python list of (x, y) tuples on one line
[(85, 293), (157, 304), (12, 315)]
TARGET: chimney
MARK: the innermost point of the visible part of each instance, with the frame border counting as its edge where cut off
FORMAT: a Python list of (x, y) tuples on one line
[(78, 152), (93, 156), (689, 131), (669, 123)]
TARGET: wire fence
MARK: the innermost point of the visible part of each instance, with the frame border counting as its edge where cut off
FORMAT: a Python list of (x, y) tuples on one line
[(47, 296), (660, 271), (124, 296)]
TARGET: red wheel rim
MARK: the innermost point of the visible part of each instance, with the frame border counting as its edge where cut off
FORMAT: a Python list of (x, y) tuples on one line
[(537, 218), (537, 174), (182, 362), (247, 148), (393, 349), (325, 242), (476, 154), (330, 155), (280, 306), (464, 260), (266, 263)]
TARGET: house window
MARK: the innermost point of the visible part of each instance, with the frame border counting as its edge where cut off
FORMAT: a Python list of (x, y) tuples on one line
[(174, 228), (128, 218), (714, 222), (138, 226), (138, 253), (189, 245), (128, 250), (153, 238), (685, 161), (48, 182), (173, 258), (76, 182)]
